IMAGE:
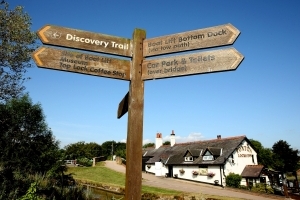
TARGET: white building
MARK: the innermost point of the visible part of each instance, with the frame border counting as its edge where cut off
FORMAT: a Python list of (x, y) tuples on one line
[(208, 161)]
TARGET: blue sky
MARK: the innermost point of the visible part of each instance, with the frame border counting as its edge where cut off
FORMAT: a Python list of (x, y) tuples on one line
[(260, 99)]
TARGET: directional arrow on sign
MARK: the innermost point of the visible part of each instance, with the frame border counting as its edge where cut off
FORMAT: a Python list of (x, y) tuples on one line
[(190, 64), (84, 40), (197, 39), (83, 63)]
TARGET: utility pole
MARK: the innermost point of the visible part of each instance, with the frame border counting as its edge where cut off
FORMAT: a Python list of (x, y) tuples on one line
[(112, 150)]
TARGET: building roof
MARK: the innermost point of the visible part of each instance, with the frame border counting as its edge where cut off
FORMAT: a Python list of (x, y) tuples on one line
[(252, 171), (220, 148)]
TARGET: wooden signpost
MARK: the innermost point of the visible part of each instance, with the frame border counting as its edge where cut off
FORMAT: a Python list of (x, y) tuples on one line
[(123, 106), (72, 61), (198, 39), (197, 63), (137, 70), (78, 39)]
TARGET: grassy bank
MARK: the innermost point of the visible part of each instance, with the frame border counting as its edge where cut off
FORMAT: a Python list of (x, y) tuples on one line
[(107, 178)]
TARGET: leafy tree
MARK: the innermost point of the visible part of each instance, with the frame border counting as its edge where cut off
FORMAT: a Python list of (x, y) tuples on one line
[(107, 148), (27, 145), (285, 158), (17, 42), (82, 150), (148, 145), (75, 151), (110, 148), (92, 150), (167, 143), (264, 155), (120, 150)]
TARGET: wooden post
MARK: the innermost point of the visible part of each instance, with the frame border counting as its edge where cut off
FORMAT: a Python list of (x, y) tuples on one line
[(133, 183)]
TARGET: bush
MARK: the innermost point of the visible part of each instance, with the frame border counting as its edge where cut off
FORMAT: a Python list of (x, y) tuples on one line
[(148, 196), (85, 162), (233, 180), (261, 187)]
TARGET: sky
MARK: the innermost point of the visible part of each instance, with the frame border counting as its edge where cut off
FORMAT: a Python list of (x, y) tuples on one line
[(260, 99)]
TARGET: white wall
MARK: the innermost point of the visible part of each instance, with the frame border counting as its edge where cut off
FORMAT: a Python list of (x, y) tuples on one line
[(150, 169), (242, 157), (154, 169), (188, 175)]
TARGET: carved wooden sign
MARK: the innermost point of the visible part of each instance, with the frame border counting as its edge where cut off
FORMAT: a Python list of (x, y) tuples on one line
[(71, 61), (189, 64), (198, 39), (84, 40)]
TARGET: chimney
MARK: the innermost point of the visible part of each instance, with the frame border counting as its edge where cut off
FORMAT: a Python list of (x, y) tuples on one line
[(172, 138), (218, 136), (158, 141)]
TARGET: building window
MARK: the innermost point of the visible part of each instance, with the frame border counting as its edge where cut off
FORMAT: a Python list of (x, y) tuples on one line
[(253, 158), (208, 157), (230, 159), (189, 158)]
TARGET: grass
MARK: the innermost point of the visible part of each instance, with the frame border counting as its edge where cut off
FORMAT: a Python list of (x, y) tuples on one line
[(103, 176), (99, 175)]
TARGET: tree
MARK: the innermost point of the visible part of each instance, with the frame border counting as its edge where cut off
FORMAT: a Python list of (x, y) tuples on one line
[(92, 150), (285, 158), (82, 150), (148, 145), (167, 143), (17, 43), (264, 155), (27, 145), (108, 148), (120, 150), (75, 151)]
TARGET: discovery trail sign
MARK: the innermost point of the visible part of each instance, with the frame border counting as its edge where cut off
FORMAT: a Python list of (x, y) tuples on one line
[(137, 70), (72, 61), (198, 39), (84, 40)]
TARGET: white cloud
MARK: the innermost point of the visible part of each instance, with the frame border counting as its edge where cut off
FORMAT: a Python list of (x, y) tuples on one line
[(146, 141), (192, 137)]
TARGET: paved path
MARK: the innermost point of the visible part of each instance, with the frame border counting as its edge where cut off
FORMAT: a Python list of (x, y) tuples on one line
[(188, 186)]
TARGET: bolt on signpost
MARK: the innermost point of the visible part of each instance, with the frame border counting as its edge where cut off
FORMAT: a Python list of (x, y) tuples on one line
[(137, 70)]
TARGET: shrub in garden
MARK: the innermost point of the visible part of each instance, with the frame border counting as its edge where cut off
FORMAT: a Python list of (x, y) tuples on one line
[(233, 180), (261, 187)]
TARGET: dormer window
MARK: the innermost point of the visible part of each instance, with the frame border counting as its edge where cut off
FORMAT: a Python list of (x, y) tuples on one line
[(211, 153), (208, 157), (189, 158)]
